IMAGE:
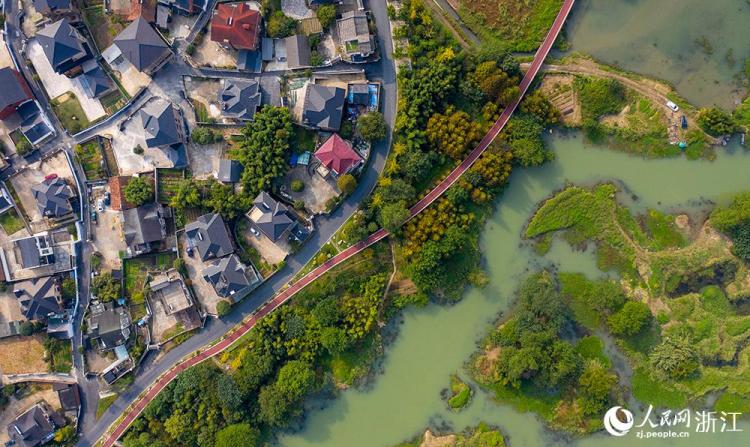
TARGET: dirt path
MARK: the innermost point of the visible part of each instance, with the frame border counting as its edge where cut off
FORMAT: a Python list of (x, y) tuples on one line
[(448, 17)]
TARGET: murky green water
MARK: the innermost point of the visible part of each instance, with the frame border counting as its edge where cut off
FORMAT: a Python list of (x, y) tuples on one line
[(436, 341), (658, 38)]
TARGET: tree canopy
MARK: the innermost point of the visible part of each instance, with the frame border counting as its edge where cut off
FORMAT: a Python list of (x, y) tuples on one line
[(371, 126), (139, 190)]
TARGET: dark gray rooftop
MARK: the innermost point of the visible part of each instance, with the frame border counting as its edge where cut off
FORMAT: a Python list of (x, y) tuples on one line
[(39, 297), (324, 107), (53, 197), (230, 278), (239, 99), (210, 236), (34, 251), (160, 124), (36, 426), (70, 399), (63, 45), (140, 44), (144, 224), (13, 91), (297, 51), (271, 217), (229, 171), (51, 6), (94, 80), (109, 324)]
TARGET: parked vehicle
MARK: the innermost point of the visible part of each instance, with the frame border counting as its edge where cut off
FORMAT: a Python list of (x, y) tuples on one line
[(93, 216), (672, 106), (107, 198), (100, 205)]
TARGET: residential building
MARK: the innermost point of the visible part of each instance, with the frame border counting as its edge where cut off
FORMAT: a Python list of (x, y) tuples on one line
[(163, 129), (359, 94), (117, 186), (143, 226), (297, 51), (185, 7), (336, 155), (6, 202), (60, 326), (323, 107), (70, 398), (230, 278), (271, 217), (36, 426), (236, 26), (64, 47), (34, 251), (239, 99), (171, 292), (95, 82), (39, 298), (52, 8), (354, 35), (230, 171), (108, 325), (53, 197), (209, 236), (130, 10), (15, 92), (141, 45)]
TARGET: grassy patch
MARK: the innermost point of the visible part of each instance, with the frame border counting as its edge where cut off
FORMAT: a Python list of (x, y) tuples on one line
[(11, 222), (23, 145), (70, 113), (104, 404), (137, 270), (169, 181), (59, 355), (303, 140), (89, 155), (518, 25), (460, 393), (347, 367), (592, 348), (201, 112), (650, 391), (663, 231)]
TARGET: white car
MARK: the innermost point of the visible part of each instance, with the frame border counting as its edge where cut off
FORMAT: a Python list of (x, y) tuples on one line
[(672, 106), (100, 205), (254, 232)]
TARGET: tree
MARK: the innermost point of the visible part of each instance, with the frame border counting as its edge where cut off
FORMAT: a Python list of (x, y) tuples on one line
[(68, 288), (393, 215), (138, 150), (453, 133), (297, 185), (540, 306), (237, 435), (179, 265), (716, 122), (538, 105), (223, 307), (65, 434), (674, 358), (595, 387), (27, 328), (630, 319), (279, 25), (106, 287), (326, 15), (139, 190), (264, 149), (496, 84), (334, 339), (347, 184), (223, 200), (371, 126), (187, 195), (523, 135), (203, 135)]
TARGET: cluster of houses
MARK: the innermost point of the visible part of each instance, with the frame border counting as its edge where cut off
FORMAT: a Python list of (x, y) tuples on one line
[(37, 425)]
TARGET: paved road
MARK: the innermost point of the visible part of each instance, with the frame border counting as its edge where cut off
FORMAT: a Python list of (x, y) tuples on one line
[(130, 414)]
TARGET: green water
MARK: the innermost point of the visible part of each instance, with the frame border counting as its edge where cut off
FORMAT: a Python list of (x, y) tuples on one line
[(435, 342), (658, 38)]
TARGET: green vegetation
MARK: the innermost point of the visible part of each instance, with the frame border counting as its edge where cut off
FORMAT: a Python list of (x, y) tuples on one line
[(734, 221), (599, 97), (516, 25), (326, 15), (104, 404), (169, 182), (205, 135), (70, 113), (460, 393), (279, 25), (59, 355), (716, 122), (223, 308), (23, 145), (11, 222), (139, 190), (105, 287), (347, 184), (371, 126), (480, 436), (90, 157)]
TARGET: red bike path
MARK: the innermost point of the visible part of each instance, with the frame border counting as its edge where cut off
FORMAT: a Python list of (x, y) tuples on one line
[(135, 410)]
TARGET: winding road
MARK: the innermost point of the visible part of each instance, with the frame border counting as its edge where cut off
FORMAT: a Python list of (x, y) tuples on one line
[(160, 382)]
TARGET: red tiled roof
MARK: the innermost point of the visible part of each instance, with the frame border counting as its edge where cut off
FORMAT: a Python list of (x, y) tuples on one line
[(117, 194), (337, 155), (236, 25)]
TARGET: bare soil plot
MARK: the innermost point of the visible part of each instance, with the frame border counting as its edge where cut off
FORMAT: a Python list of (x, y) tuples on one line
[(210, 54), (206, 93), (9, 308), (318, 190), (204, 159), (22, 355), (272, 253), (559, 89), (202, 290), (108, 239)]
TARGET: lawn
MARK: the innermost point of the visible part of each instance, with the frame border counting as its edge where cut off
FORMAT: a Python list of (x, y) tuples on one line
[(169, 180), (304, 140), (136, 270), (104, 404), (70, 113), (518, 25), (11, 222), (23, 145), (60, 355), (89, 155)]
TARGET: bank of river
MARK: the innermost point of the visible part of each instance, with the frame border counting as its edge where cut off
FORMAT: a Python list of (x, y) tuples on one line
[(686, 42), (436, 341)]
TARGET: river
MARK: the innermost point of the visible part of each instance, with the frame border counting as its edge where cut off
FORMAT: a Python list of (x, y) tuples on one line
[(436, 341), (686, 42)]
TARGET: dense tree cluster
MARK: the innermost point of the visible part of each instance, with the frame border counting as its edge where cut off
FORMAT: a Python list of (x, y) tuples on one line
[(453, 133), (139, 190), (371, 126), (106, 287), (734, 221), (716, 122)]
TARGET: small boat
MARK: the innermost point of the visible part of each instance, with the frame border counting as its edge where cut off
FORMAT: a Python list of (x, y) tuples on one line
[(683, 120)]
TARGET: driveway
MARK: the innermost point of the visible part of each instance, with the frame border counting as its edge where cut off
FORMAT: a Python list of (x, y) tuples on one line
[(57, 84)]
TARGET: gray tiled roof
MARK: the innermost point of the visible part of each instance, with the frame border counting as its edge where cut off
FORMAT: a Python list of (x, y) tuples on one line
[(239, 99), (140, 44), (229, 171), (36, 426), (70, 399), (109, 324), (30, 251), (38, 297), (53, 197), (271, 217), (210, 236), (324, 107), (160, 124), (352, 27), (230, 278), (50, 6), (144, 224), (94, 80), (62, 45), (297, 51)]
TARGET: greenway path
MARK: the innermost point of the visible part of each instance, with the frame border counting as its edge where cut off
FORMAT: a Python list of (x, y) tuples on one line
[(132, 412)]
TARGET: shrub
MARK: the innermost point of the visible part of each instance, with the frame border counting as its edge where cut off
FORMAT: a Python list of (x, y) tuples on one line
[(347, 183), (139, 190), (716, 121), (674, 358), (279, 25), (138, 150), (297, 185), (371, 126), (600, 97), (223, 308), (630, 319), (203, 135), (190, 50), (27, 328), (326, 15)]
